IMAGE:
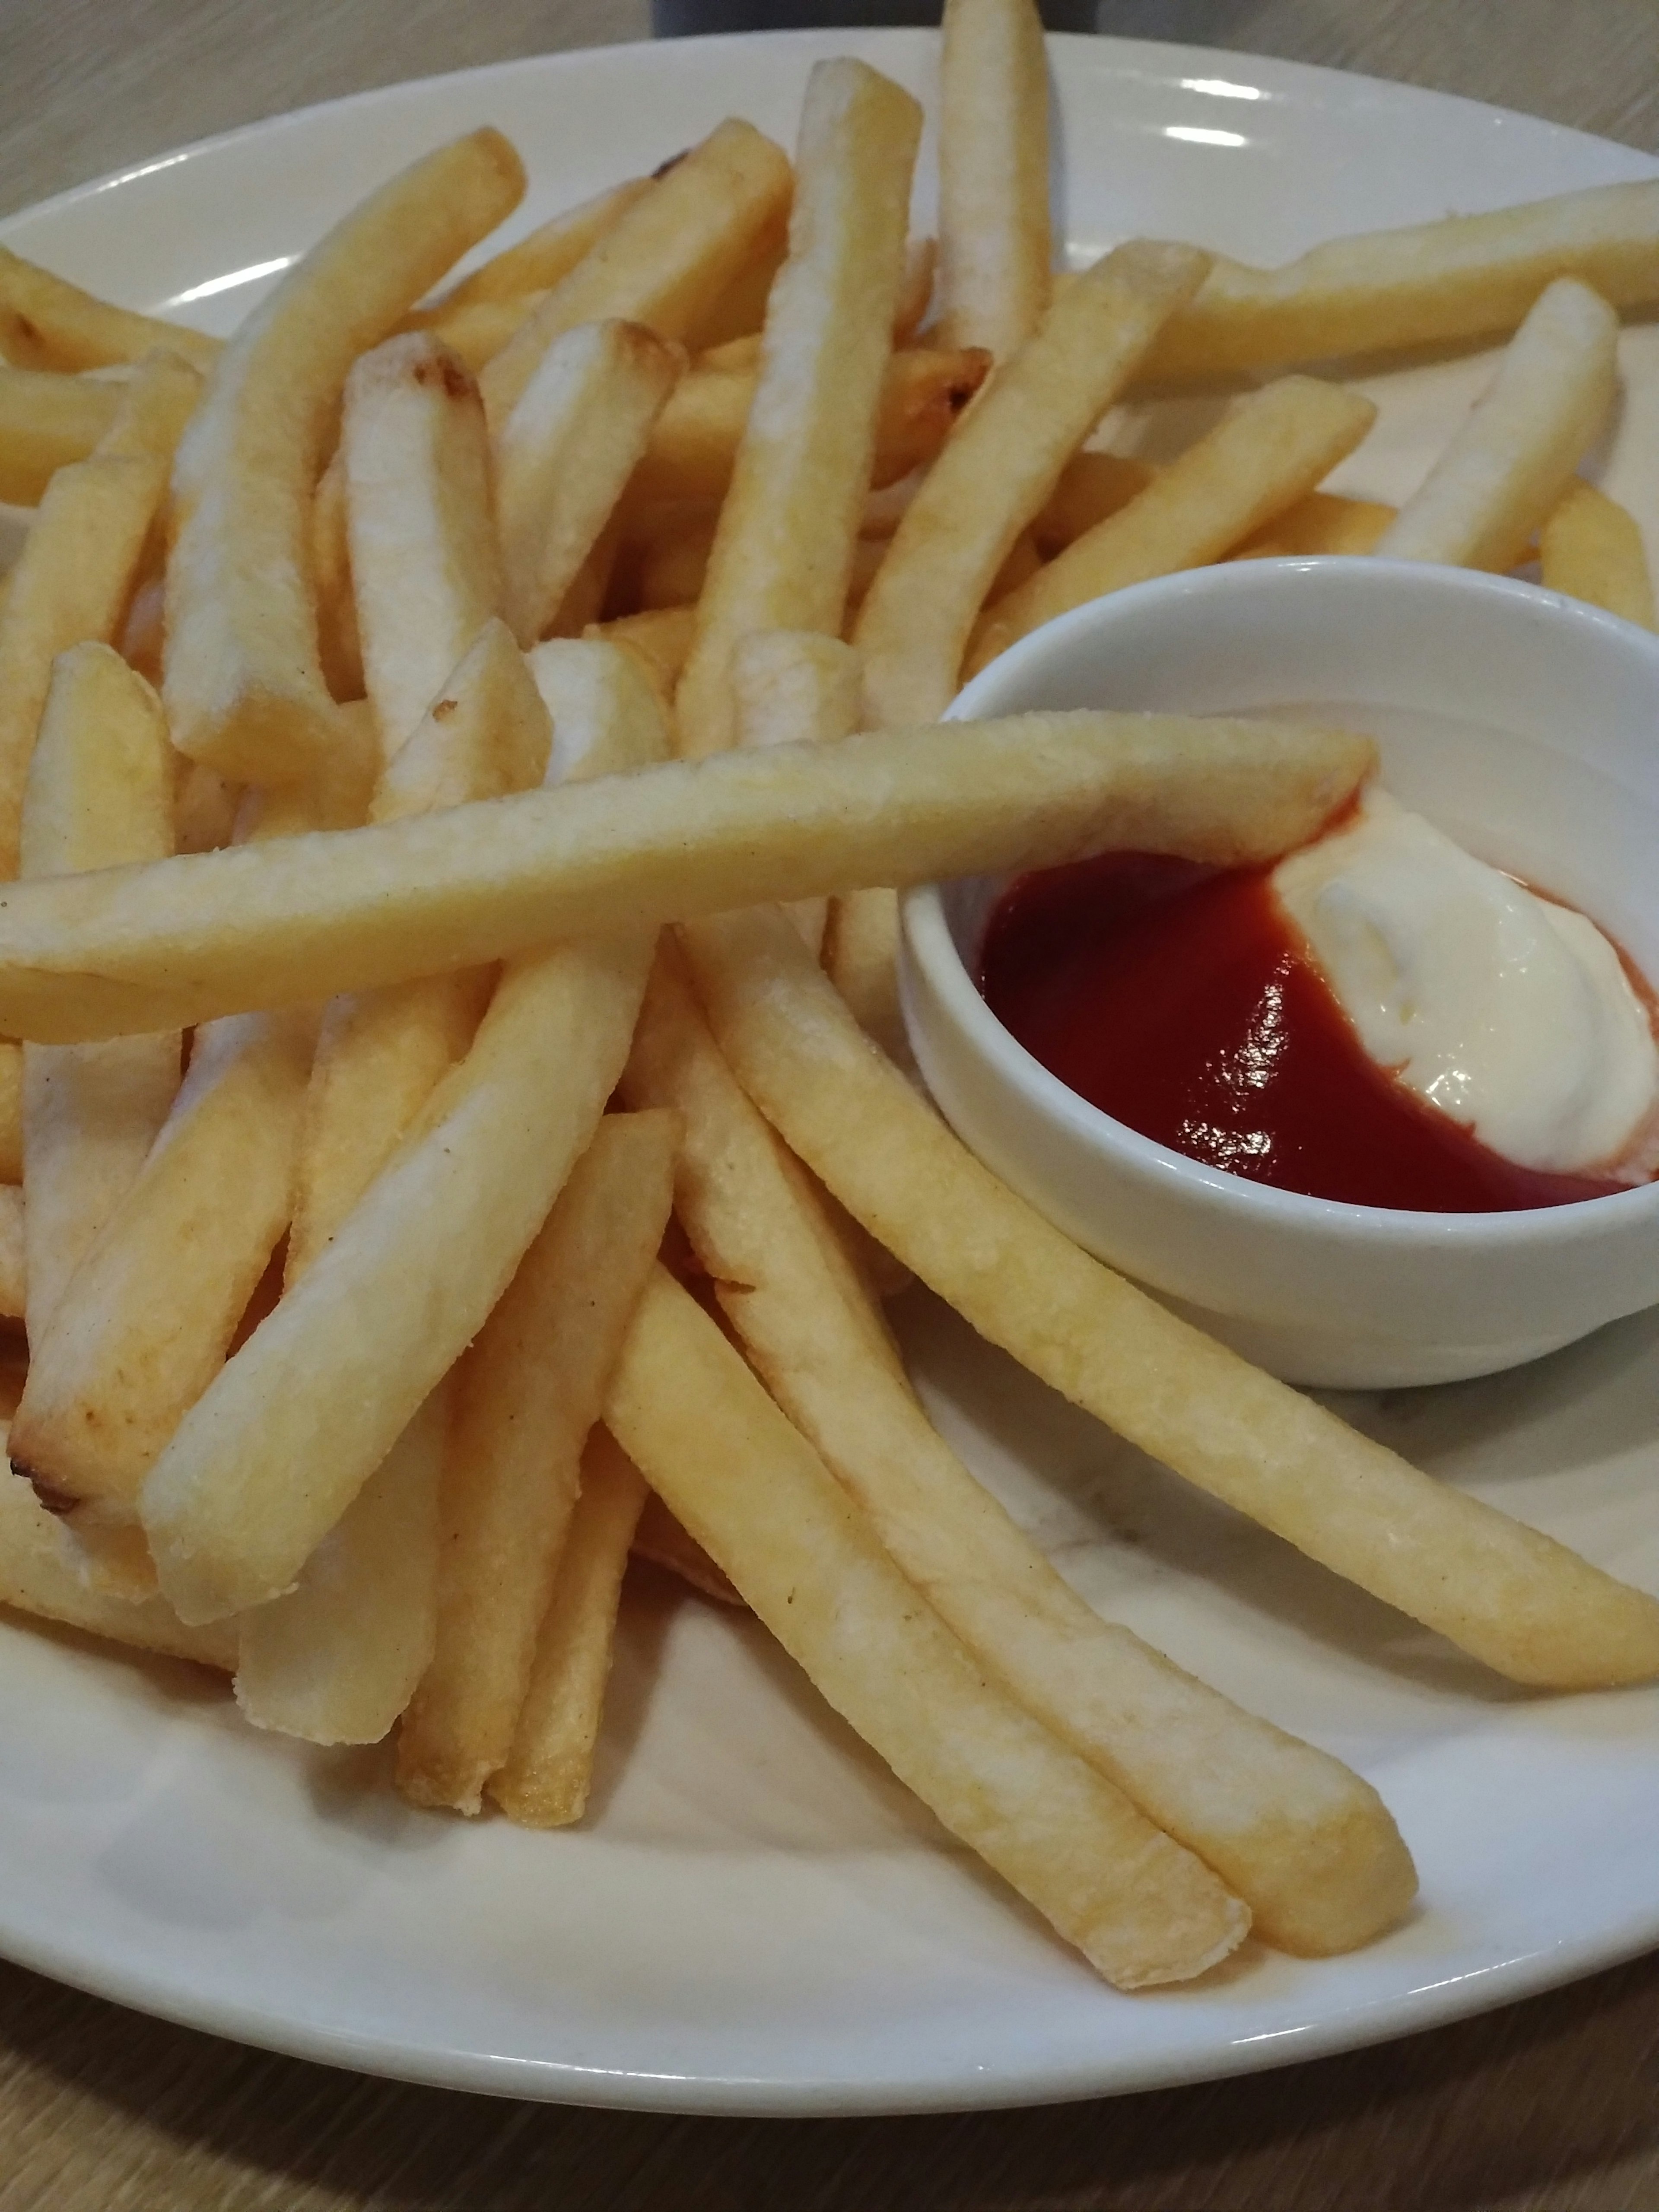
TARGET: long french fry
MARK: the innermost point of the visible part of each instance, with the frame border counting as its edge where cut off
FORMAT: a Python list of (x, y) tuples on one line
[(665, 258), (243, 685), (996, 254), (332, 1377), (754, 1494), (1324, 522), (691, 450), (157, 947), (1509, 464), (1591, 549), (550, 253), (545, 1780), (37, 1577), (336, 1658), (527, 1393), (1001, 468), (659, 640), (782, 555), (380, 1055), (1307, 1844), (1270, 450), (564, 453), (100, 794), (47, 323), (426, 570), (796, 687), (46, 422), (1431, 283), (1523, 1604)]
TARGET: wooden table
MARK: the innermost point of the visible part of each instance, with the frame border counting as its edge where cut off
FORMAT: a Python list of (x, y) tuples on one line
[(1553, 2106)]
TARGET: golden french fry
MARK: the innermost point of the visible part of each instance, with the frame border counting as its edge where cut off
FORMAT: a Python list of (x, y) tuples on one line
[(426, 570), (1306, 1844), (861, 957), (527, 1393), (1591, 549), (14, 1253), (47, 323), (754, 1494), (11, 1111), (38, 1576), (71, 583), (100, 794), (692, 449), (1509, 463), (1091, 486), (664, 259), (1269, 450), (328, 1380), (564, 453), (46, 422), (1431, 283), (156, 404), (734, 316), (243, 683), (535, 263), (543, 1782), (996, 253), (1523, 1604), (660, 640), (339, 644), (184, 939), (796, 687), (139, 641), (1324, 522), (782, 555), (915, 290), (337, 1659), (1000, 469)]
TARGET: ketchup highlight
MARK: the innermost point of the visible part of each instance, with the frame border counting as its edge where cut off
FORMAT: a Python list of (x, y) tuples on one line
[(1177, 999)]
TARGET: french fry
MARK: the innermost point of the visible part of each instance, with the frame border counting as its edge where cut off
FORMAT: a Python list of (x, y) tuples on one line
[(337, 1659), (1324, 522), (1306, 1844), (1591, 549), (184, 939), (1431, 283), (100, 794), (1000, 469), (71, 583), (243, 683), (660, 1539), (1268, 451), (1523, 1604), (782, 556), (695, 443), (659, 640), (585, 596), (527, 1393), (734, 316), (754, 1494), (47, 422), (541, 260), (564, 453), (996, 254), (543, 1782), (861, 957), (14, 1253), (1091, 486), (11, 1111), (339, 641), (915, 290), (380, 1055), (1511, 461), (796, 687), (47, 323), (328, 1380), (426, 571), (157, 403), (37, 1577), (664, 259)]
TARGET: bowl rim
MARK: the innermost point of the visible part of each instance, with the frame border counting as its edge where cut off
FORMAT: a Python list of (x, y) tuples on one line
[(928, 940)]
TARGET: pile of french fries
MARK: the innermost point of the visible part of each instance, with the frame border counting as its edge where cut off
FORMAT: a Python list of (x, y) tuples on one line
[(457, 755)]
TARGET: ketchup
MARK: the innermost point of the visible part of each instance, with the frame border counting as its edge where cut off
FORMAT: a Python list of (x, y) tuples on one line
[(1180, 1000)]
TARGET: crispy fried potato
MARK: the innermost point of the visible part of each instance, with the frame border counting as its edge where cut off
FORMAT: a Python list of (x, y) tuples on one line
[(147, 948), (1000, 469), (660, 640), (47, 323), (782, 555), (1524, 1605), (996, 253), (1324, 522), (796, 687), (46, 422), (1591, 549), (242, 680), (540, 260), (754, 1494), (528, 1391)]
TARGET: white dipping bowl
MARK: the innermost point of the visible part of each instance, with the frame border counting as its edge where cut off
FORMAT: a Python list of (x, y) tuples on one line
[(1527, 726)]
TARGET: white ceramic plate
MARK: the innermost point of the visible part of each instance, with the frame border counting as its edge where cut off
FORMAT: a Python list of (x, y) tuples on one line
[(756, 1919)]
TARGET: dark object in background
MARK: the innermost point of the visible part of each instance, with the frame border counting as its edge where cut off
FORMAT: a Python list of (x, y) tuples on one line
[(672, 19)]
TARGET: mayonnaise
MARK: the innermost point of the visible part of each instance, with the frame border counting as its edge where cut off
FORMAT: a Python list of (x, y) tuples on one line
[(1512, 1015)]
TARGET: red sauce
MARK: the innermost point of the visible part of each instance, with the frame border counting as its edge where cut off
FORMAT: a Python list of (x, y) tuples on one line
[(1178, 1000)]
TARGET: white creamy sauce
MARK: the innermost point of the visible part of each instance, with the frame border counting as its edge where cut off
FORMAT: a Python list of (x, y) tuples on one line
[(1512, 1015)]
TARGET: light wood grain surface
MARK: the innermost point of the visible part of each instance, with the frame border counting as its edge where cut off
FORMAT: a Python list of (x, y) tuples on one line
[(1550, 2107)]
